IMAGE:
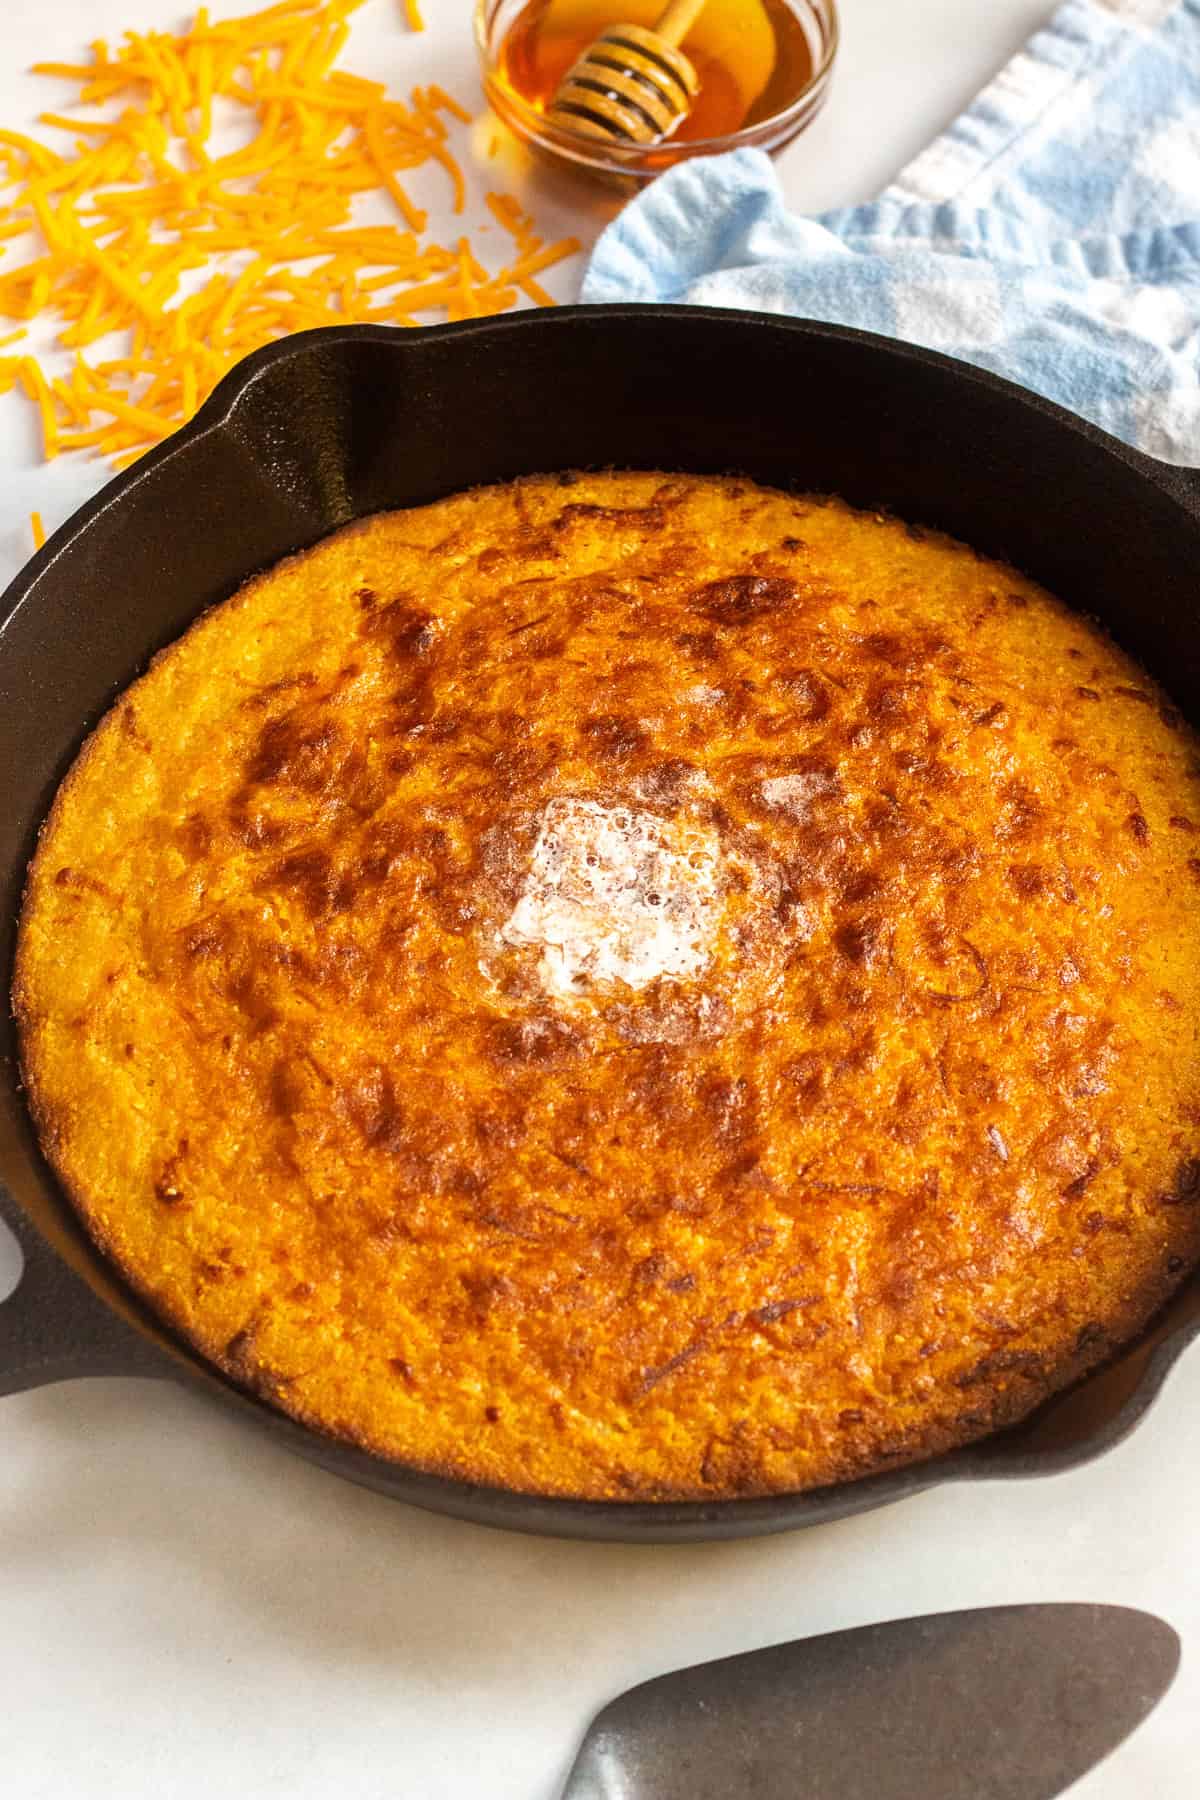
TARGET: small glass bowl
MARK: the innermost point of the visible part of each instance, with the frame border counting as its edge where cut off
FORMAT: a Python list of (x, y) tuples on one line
[(629, 166)]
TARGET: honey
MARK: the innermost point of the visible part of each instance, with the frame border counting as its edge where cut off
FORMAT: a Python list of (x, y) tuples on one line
[(753, 57)]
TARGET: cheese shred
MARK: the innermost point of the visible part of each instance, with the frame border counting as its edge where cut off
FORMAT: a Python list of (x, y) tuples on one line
[(195, 258)]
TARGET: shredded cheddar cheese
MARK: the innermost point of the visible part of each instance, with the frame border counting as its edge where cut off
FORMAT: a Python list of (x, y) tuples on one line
[(38, 529), (193, 258)]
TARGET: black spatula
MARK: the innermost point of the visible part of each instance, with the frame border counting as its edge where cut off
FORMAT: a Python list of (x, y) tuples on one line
[(1006, 1703)]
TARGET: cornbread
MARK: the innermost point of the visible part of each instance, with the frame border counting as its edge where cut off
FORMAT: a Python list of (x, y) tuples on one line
[(631, 985)]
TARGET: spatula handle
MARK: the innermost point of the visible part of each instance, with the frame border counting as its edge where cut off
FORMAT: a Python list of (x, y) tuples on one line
[(678, 20)]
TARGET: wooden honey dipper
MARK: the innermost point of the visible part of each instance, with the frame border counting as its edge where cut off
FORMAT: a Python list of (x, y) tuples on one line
[(633, 86)]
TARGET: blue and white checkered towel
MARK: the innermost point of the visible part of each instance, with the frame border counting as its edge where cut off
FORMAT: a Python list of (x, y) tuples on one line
[(1052, 234)]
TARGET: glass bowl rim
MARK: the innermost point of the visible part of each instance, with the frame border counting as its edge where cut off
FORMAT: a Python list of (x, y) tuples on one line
[(597, 151)]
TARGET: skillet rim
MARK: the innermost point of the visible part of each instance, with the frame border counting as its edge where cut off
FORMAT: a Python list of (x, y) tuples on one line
[(1180, 483), (561, 1515)]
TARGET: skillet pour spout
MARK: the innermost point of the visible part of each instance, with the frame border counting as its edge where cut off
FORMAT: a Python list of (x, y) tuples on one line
[(328, 426)]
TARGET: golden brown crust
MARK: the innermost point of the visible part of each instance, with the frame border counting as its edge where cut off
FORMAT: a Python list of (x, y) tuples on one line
[(359, 1031)]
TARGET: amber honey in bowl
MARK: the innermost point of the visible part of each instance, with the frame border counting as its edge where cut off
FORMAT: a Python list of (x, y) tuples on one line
[(753, 57), (763, 69)]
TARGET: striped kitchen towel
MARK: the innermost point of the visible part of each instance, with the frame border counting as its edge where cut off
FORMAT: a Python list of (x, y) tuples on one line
[(1052, 234)]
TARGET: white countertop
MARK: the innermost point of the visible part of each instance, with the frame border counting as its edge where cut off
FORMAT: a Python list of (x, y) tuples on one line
[(187, 1611)]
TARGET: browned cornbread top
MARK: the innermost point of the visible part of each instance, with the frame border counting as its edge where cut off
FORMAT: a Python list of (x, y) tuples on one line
[(631, 986)]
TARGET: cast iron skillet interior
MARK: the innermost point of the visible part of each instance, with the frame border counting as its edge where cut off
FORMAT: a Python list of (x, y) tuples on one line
[(329, 425)]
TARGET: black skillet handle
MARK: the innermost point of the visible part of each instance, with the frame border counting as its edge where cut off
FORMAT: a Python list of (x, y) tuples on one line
[(54, 1328)]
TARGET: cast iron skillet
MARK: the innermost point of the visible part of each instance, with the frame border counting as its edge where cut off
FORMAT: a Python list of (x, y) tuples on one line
[(323, 427)]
